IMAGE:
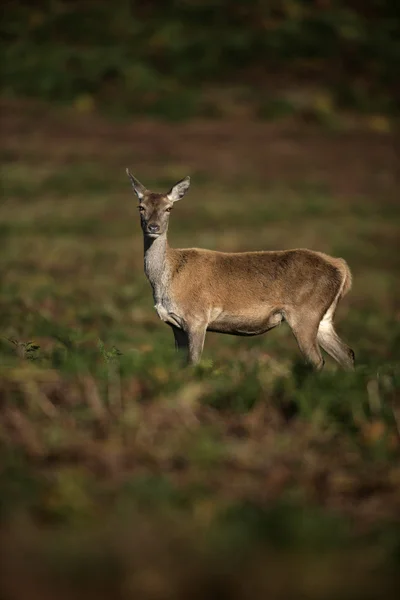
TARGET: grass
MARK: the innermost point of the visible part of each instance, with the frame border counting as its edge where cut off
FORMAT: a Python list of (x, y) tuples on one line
[(123, 475)]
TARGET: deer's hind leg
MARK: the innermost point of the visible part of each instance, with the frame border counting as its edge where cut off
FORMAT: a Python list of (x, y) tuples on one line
[(305, 329), (331, 342)]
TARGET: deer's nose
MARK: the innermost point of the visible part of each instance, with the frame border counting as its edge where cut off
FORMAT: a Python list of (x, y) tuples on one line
[(153, 228)]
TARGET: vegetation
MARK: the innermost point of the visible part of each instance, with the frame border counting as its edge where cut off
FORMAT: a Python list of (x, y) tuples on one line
[(181, 58), (124, 476)]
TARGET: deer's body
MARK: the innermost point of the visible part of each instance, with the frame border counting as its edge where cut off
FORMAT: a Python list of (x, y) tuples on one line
[(243, 293)]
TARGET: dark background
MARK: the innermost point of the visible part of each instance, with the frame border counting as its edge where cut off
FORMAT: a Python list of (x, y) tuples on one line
[(185, 58)]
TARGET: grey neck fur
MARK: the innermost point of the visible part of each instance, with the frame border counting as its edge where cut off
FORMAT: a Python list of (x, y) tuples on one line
[(155, 264)]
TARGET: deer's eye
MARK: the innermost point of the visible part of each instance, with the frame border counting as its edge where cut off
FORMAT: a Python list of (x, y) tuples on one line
[(141, 209), (168, 209)]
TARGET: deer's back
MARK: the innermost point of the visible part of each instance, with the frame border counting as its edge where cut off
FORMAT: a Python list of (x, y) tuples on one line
[(277, 273)]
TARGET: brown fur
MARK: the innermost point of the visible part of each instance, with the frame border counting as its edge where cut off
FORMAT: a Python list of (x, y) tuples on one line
[(244, 293)]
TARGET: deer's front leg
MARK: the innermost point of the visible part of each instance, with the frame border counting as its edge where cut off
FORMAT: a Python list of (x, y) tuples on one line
[(196, 335), (181, 339)]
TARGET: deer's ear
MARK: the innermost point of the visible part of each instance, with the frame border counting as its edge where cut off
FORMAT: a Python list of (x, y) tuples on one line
[(138, 188), (179, 190)]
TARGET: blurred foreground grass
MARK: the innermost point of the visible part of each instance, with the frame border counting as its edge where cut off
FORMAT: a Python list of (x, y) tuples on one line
[(124, 476)]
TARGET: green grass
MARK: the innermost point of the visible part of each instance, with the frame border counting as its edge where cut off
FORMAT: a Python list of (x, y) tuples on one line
[(112, 454)]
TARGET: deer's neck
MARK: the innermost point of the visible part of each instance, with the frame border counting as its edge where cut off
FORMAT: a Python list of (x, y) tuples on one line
[(156, 264)]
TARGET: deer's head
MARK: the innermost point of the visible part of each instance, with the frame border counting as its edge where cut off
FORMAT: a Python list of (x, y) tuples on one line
[(154, 209)]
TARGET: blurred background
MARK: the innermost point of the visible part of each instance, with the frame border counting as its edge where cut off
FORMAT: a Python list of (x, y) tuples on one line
[(188, 58), (123, 475)]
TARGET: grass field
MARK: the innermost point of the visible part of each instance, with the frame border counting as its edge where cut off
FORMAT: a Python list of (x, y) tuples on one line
[(125, 476)]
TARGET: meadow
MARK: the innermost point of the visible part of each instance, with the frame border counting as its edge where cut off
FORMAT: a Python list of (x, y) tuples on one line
[(124, 475)]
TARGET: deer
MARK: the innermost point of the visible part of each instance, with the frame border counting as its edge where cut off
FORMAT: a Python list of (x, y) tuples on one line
[(240, 293)]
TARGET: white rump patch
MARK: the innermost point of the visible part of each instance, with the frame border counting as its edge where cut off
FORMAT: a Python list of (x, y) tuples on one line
[(326, 321), (325, 324)]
